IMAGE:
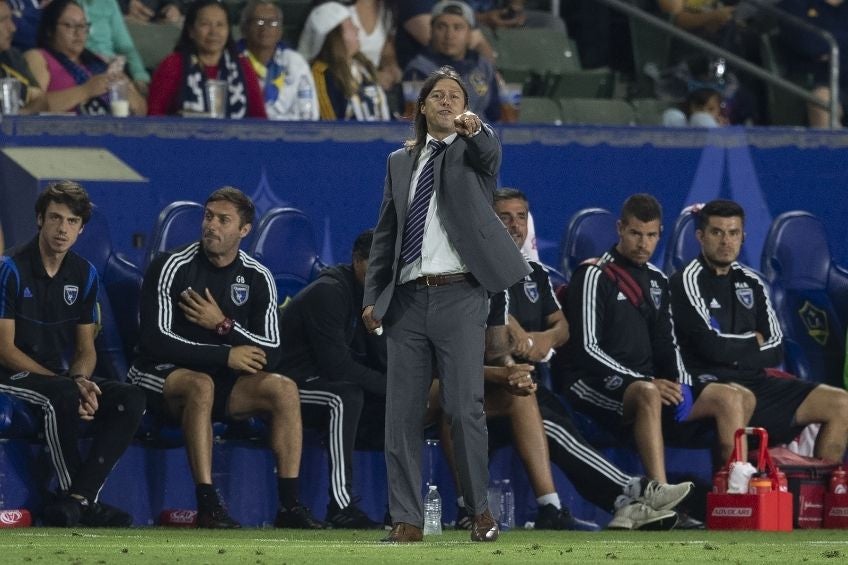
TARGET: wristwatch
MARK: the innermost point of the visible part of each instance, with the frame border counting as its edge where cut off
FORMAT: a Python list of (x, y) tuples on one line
[(224, 326)]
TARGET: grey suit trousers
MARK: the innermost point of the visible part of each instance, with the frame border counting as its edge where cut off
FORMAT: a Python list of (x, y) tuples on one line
[(445, 324)]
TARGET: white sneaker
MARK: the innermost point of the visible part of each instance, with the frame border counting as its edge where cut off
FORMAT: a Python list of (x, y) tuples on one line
[(640, 516), (664, 497)]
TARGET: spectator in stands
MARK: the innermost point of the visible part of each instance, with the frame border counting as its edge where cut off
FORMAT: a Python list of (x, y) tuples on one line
[(729, 333), (108, 37), (75, 79), (284, 75), (209, 331), (512, 14), (48, 306), (144, 11), (205, 51), (623, 364), (26, 15), (808, 54), (324, 348), (12, 64), (449, 45), (346, 80), (702, 108), (375, 24), (414, 26)]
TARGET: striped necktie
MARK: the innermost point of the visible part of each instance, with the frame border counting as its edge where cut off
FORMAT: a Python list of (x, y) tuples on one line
[(413, 231)]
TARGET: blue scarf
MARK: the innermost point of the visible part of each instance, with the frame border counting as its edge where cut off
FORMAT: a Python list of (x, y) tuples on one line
[(93, 65)]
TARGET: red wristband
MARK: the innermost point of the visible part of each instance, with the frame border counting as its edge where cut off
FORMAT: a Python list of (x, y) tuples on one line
[(225, 326)]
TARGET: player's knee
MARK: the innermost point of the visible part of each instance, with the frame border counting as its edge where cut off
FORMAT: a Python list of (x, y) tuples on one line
[(201, 388), (642, 394)]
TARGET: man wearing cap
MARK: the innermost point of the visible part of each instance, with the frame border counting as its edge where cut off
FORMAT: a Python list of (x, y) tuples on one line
[(438, 251), (451, 25)]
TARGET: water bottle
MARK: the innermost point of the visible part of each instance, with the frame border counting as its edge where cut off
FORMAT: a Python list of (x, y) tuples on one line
[(304, 99), (507, 519), (433, 512)]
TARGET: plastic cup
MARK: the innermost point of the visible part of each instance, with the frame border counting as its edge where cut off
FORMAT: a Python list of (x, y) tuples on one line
[(216, 95), (119, 103), (10, 96)]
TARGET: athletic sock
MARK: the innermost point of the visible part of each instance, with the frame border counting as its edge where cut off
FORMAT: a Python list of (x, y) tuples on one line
[(287, 491), (207, 497), (552, 498)]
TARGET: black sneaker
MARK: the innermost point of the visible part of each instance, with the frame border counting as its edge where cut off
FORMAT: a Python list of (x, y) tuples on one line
[(297, 517), (64, 511), (351, 517), (552, 518), (216, 519), (464, 520), (99, 515)]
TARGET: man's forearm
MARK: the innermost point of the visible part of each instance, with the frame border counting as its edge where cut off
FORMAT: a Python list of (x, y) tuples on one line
[(16, 360)]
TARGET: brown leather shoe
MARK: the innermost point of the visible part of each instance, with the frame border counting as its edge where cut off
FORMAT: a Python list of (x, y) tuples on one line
[(404, 533), (484, 527)]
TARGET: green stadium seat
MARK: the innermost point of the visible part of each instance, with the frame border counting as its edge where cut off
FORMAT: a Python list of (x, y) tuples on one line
[(153, 41), (537, 110), (597, 111)]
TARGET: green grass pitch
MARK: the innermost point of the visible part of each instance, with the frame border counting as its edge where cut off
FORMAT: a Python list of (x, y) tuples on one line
[(268, 546)]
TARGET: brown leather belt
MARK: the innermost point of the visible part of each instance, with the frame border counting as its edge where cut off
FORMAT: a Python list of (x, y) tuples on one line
[(441, 280)]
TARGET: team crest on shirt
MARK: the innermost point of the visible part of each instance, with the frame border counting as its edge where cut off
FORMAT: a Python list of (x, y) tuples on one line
[(656, 297), (239, 293), (745, 297), (70, 294), (531, 289), (613, 382)]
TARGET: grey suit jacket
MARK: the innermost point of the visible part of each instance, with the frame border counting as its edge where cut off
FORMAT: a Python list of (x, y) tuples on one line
[(464, 186)]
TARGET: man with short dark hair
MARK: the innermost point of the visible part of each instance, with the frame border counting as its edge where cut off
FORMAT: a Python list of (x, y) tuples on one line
[(622, 359), (536, 327), (48, 305), (325, 349), (730, 333), (452, 23), (209, 328)]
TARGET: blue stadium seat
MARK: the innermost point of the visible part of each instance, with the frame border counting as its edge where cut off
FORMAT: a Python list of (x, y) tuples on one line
[(120, 283), (682, 246), (285, 243), (590, 233), (178, 223), (810, 295)]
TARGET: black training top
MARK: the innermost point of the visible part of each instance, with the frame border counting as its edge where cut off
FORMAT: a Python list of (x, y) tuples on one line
[(47, 309)]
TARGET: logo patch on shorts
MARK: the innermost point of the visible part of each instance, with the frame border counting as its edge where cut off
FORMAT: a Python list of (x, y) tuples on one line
[(164, 366), (745, 297), (239, 293), (613, 382), (531, 289), (71, 293), (20, 375), (707, 378)]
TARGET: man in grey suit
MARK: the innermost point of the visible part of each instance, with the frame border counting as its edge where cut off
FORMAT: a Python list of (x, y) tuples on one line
[(438, 250)]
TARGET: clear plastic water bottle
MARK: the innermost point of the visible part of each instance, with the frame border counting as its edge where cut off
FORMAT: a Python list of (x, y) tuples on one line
[(433, 512), (304, 99), (507, 519)]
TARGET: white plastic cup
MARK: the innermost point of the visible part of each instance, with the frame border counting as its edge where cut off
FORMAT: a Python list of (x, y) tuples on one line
[(119, 103), (10, 96), (216, 95)]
